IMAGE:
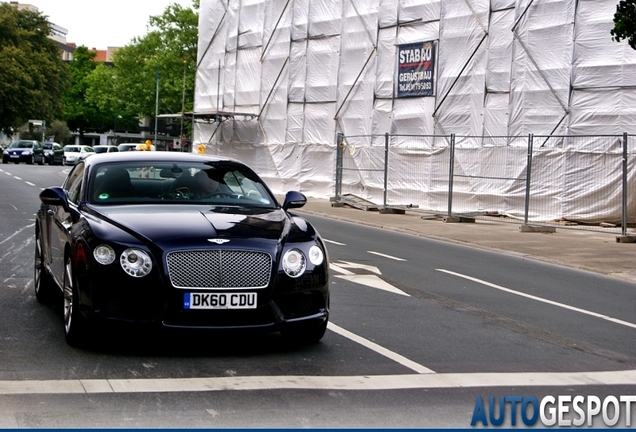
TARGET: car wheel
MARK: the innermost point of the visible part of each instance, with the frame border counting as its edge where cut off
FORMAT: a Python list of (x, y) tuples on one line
[(41, 279), (31, 160), (4, 161), (304, 335), (63, 161), (41, 161), (75, 326)]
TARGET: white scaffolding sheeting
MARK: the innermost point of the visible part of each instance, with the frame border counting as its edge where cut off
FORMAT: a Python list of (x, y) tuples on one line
[(310, 69)]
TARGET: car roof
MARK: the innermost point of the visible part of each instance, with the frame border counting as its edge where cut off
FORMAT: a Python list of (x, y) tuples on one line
[(154, 156)]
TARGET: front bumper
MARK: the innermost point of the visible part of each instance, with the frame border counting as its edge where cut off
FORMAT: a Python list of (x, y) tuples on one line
[(150, 301)]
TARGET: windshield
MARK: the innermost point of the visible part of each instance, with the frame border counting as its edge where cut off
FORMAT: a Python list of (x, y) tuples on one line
[(219, 183), (100, 149), (72, 149), (21, 144)]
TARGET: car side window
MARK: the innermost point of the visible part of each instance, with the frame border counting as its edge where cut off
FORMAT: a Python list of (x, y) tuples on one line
[(73, 186)]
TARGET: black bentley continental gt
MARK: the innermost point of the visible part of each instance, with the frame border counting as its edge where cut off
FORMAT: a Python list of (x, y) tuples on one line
[(179, 240)]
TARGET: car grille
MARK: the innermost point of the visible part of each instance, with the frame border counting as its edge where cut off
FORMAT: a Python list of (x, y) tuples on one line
[(219, 269)]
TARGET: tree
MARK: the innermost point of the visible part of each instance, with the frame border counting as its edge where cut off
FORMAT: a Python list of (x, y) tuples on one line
[(625, 22), (59, 131), (32, 74), (168, 51), (79, 113)]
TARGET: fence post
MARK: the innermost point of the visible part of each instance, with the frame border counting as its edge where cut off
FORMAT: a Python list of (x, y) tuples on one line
[(451, 173), (528, 175), (339, 149), (624, 212), (386, 167)]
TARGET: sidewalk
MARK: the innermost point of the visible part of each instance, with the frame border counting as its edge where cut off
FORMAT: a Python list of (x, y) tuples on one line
[(594, 251)]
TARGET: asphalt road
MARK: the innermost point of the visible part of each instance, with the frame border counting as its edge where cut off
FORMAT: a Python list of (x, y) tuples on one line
[(420, 331)]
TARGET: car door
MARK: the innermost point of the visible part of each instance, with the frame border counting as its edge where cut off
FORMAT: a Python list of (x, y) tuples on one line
[(63, 220)]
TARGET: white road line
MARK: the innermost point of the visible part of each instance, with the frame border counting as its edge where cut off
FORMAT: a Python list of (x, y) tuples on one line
[(17, 232), (380, 350), (540, 299), (373, 281), (333, 242), (386, 256), (369, 268), (294, 382), (17, 178), (29, 183), (337, 268)]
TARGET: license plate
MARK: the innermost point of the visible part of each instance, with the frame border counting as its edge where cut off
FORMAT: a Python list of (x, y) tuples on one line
[(14, 156), (245, 300)]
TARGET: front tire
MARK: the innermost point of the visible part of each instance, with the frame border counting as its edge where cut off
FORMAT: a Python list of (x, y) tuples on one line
[(75, 325), (41, 279)]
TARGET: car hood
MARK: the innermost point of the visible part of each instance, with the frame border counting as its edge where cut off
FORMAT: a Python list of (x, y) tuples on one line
[(169, 228), (19, 150)]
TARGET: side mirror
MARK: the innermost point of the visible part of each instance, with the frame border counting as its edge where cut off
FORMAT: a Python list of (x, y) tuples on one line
[(294, 199), (54, 196)]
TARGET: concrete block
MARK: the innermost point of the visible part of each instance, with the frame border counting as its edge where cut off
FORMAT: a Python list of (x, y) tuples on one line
[(391, 211), (451, 219), (537, 229), (625, 239)]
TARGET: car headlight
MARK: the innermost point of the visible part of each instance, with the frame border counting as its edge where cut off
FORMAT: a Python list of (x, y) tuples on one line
[(135, 262), (26, 152), (294, 263), (104, 254), (316, 256)]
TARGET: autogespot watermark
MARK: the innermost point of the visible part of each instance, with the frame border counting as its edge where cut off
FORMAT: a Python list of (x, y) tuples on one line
[(562, 410)]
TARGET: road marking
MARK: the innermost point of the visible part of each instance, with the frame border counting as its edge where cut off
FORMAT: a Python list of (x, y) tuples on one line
[(333, 242), (29, 183), (17, 232), (296, 382), (540, 299), (380, 349), (337, 268), (370, 268), (373, 281), (386, 256), (17, 178)]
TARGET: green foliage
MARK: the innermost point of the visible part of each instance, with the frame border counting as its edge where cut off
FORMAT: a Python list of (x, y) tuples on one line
[(79, 113), (60, 132), (31, 134), (103, 97), (625, 22), (168, 51), (32, 74)]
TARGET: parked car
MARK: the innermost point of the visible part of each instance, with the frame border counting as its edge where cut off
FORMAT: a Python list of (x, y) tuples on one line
[(134, 147), (28, 151), (75, 153), (53, 153), (126, 238), (105, 149)]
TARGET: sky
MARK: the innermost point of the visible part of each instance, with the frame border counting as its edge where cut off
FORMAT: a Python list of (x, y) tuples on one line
[(102, 23)]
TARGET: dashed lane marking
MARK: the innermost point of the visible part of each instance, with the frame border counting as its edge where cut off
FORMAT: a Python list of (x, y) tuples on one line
[(541, 299), (386, 256)]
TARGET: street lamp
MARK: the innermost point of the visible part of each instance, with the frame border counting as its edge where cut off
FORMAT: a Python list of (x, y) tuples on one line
[(115, 130), (156, 102), (182, 108)]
